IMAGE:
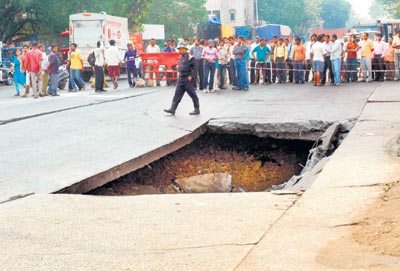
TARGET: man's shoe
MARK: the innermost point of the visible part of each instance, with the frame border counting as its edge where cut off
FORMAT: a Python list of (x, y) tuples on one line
[(236, 88), (195, 112), (246, 89), (171, 110)]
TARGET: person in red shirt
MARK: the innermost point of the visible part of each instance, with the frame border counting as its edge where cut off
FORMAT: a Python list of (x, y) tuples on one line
[(351, 63), (34, 61)]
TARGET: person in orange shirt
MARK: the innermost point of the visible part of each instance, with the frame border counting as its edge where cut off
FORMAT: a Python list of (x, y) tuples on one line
[(367, 47), (389, 60), (351, 63), (299, 56)]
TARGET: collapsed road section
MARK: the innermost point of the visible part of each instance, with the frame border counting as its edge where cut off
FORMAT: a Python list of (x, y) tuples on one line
[(235, 157)]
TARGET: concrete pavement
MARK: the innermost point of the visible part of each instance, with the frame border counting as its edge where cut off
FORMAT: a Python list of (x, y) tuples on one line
[(72, 143), (250, 231)]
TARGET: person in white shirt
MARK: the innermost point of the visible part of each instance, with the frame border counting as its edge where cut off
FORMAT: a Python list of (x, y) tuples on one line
[(231, 68), (113, 59), (253, 61), (44, 76), (308, 66), (155, 49), (318, 60), (377, 58), (99, 68)]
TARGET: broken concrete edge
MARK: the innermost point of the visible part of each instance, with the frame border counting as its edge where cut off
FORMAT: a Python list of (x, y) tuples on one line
[(310, 130), (114, 173), (318, 158)]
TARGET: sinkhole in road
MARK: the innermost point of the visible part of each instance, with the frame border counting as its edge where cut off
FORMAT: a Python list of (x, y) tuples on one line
[(249, 163)]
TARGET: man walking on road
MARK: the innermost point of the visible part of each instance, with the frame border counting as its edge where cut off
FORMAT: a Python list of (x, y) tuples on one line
[(187, 73), (35, 59), (129, 58), (76, 67), (113, 59), (99, 68)]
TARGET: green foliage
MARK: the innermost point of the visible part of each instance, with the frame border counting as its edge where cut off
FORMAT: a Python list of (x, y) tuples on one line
[(286, 12), (179, 18), (335, 13), (392, 7), (52, 16)]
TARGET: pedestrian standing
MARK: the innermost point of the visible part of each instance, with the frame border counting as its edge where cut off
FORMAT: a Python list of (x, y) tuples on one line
[(351, 63), (99, 67), (24, 59), (336, 59), (378, 55), (35, 59), (299, 56), (253, 60), (52, 70), (261, 53), (289, 60), (231, 65), (327, 61), (280, 56), (44, 82), (396, 47), (76, 67), (209, 55), (317, 56), (196, 51), (113, 59), (239, 52), (187, 73), (154, 49), (129, 58), (308, 64), (19, 76), (389, 60), (274, 70), (222, 61), (367, 47)]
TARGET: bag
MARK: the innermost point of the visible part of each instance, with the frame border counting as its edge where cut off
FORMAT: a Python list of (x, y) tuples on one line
[(91, 59)]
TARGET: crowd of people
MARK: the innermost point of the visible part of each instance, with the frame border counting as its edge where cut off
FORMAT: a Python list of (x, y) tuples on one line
[(322, 60)]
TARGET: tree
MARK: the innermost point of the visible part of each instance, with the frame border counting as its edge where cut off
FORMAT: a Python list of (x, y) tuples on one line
[(377, 10), (179, 17), (286, 12), (392, 7), (335, 13), (24, 18)]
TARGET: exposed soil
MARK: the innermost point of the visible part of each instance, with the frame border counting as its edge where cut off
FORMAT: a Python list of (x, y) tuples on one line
[(255, 164), (374, 243)]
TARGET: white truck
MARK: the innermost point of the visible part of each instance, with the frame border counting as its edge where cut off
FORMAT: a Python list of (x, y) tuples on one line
[(86, 29)]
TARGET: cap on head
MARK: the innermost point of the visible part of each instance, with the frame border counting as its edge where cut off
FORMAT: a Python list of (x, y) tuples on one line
[(181, 45)]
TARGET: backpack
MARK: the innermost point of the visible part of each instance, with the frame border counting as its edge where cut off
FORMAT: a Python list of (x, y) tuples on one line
[(91, 59)]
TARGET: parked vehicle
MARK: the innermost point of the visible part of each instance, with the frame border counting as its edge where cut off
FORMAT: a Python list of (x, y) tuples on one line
[(6, 76), (85, 29), (268, 31)]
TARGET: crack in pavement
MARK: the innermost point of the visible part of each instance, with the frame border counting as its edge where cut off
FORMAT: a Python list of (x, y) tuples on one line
[(4, 122), (266, 232), (16, 197), (205, 246)]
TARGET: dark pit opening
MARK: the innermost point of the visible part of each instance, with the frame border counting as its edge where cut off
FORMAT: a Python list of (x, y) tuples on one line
[(254, 164)]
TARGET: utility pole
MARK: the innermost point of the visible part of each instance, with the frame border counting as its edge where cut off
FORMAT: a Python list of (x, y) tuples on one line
[(256, 3)]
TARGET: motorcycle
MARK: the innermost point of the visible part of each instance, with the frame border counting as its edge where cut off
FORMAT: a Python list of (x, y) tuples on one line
[(6, 76), (63, 76)]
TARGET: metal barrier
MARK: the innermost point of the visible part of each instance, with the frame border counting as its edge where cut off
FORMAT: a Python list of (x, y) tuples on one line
[(153, 62)]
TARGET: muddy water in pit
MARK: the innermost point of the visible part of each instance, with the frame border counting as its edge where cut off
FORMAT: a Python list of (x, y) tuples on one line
[(254, 163)]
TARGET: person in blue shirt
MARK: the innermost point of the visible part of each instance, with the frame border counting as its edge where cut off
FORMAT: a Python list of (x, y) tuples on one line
[(129, 59), (261, 53), (19, 76)]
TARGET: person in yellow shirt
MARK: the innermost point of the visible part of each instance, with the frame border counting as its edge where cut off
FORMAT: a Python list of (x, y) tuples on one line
[(280, 56), (76, 67), (367, 47)]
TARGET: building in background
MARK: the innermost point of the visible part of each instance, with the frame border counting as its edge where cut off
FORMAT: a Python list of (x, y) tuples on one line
[(233, 13)]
